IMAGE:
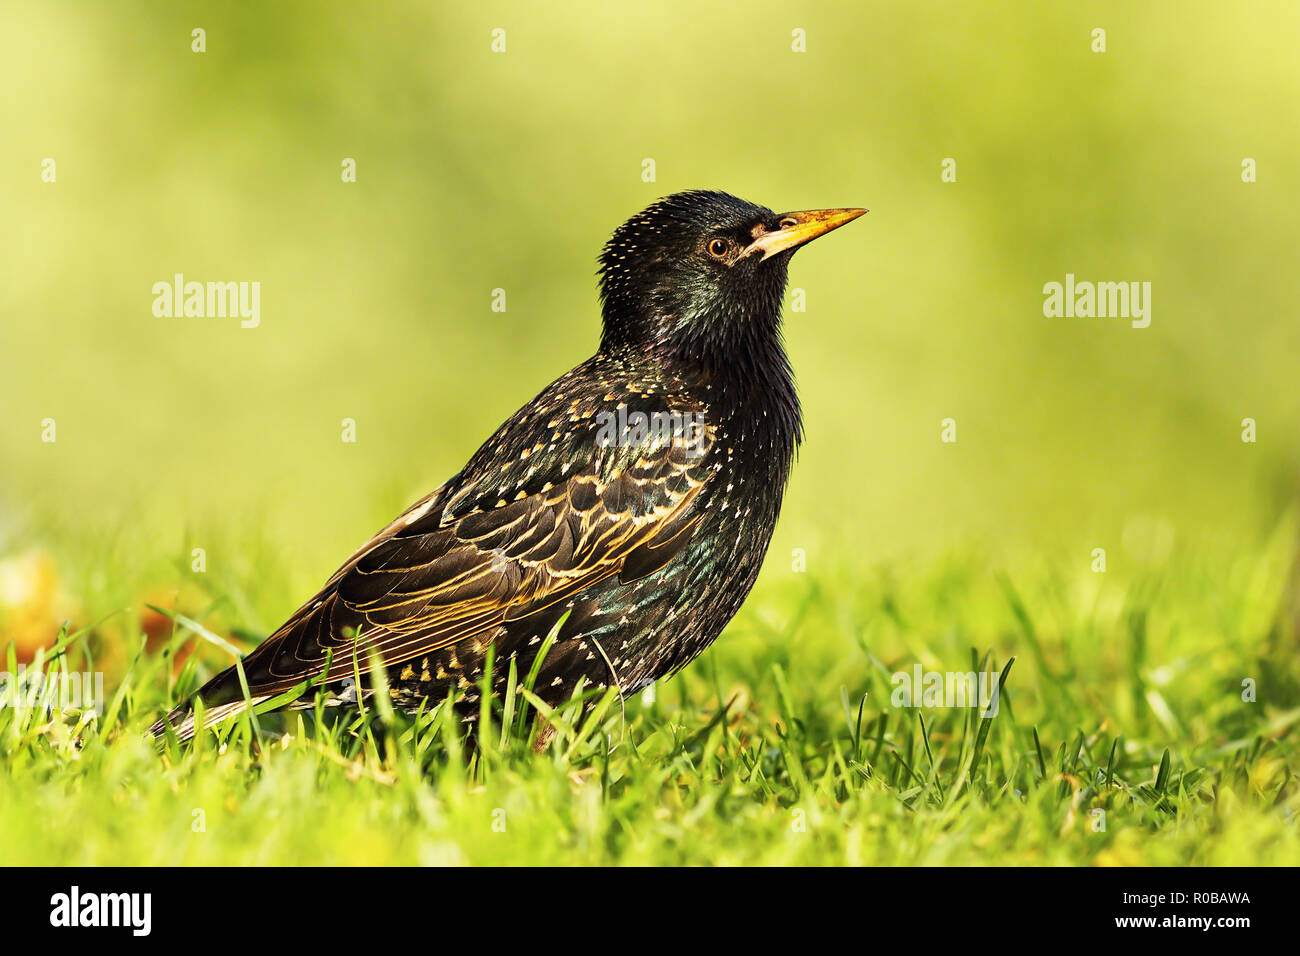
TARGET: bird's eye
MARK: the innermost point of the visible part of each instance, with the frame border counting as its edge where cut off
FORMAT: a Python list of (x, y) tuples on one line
[(717, 248)]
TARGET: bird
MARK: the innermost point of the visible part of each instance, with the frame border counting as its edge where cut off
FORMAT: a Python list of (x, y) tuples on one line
[(609, 530)]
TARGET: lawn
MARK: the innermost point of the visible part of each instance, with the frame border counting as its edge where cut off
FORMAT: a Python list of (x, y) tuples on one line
[(1124, 735)]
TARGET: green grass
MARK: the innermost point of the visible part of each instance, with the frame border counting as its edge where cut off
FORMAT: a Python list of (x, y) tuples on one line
[(779, 746)]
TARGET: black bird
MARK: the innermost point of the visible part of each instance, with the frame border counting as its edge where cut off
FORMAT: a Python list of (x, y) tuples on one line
[(630, 503)]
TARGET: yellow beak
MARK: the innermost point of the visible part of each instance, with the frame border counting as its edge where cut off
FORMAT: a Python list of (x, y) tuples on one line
[(800, 227)]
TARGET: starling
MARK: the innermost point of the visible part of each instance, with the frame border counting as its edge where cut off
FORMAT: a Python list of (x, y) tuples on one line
[(618, 519)]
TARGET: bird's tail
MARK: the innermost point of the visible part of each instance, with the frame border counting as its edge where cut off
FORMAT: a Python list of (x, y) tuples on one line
[(184, 722)]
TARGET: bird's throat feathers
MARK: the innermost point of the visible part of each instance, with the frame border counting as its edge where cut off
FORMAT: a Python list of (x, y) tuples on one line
[(727, 349)]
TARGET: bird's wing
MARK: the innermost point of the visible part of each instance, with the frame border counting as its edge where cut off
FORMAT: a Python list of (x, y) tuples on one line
[(462, 561)]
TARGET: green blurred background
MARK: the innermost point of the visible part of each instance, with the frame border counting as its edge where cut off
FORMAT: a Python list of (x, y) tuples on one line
[(479, 170)]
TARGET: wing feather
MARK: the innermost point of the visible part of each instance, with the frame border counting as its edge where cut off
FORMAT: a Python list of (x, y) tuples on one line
[(525, 526), (422, 584)]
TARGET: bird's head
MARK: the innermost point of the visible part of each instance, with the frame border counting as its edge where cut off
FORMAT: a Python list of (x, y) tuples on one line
[(700, 275)]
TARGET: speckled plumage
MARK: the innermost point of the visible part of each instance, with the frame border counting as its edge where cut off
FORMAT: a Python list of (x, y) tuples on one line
[(643, 543)]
